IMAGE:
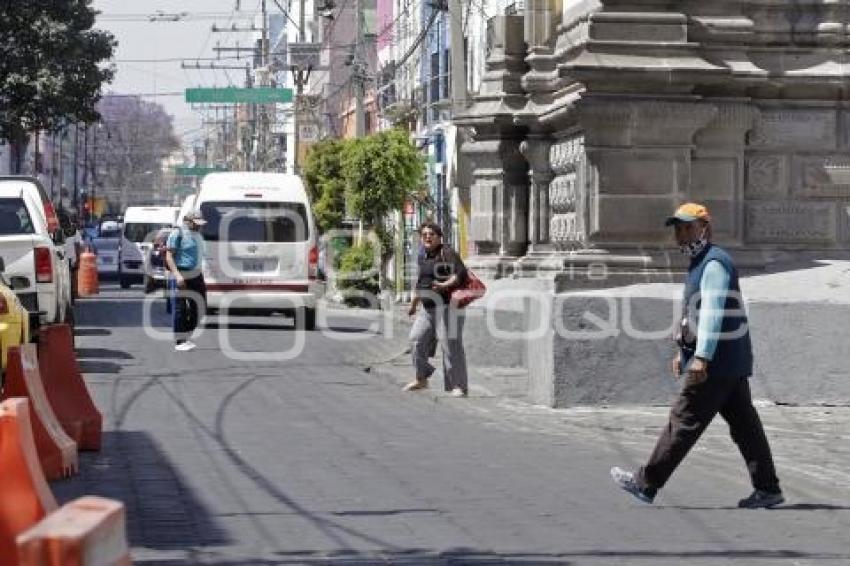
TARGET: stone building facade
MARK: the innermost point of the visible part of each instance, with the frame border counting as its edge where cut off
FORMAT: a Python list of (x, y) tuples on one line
[(596, 117)]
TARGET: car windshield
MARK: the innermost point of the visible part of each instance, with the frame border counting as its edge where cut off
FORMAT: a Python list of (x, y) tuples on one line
[(142, 231), (254, 221), (14, 218)]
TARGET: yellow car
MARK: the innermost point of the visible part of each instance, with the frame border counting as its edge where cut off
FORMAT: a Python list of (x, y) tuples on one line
[(14, 321)]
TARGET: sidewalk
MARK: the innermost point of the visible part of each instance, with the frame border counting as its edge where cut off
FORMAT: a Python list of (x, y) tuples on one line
[(506, 378)]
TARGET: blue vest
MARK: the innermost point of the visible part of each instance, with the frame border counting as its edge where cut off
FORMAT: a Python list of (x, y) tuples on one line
[(734, 355)]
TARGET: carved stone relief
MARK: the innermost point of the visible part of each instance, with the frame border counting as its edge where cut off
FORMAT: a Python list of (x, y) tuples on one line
[(822, 177), (791, 222), (567, 160), (806, 129), (766, 177)]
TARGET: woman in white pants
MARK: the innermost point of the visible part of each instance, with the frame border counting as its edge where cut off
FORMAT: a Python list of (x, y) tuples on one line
[(440, 271)]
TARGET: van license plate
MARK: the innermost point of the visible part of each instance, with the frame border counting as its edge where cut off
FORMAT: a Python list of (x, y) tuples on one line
[(253, 266)]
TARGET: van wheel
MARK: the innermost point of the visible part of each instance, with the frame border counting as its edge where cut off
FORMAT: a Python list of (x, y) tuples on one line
[(305, 319), (125, 282)]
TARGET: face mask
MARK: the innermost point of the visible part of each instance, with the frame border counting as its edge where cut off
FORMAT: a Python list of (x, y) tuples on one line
[(693, 249)]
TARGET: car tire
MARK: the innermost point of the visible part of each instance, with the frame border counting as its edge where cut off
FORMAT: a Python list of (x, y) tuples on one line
[(125, 282), (305, 319), (149, 285), (69, 318)]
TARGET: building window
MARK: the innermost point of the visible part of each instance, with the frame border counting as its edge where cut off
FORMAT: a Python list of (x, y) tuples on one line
[(434, 78)]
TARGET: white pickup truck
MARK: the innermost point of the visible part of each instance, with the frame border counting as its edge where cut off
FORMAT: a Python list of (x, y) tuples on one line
[(36, 265)]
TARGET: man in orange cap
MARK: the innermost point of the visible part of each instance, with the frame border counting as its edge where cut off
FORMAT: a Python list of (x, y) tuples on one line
[(716, 355)]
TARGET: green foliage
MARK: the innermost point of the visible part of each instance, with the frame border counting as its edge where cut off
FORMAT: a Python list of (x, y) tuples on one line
[(50, 65), (357, 269), (325, 185), (380, 171)]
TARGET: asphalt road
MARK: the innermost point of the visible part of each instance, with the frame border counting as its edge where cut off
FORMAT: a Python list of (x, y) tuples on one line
[(242, 452)]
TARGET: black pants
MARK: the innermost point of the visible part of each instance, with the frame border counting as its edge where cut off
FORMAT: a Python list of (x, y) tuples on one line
[(188, 306), (691, 414)]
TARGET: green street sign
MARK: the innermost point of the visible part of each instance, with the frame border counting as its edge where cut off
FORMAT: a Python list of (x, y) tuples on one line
[(196, 171), (258, 95)]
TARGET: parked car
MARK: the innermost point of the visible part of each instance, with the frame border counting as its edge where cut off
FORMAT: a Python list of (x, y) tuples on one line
[(141, 225), (106, 245), (14, 319), (36, 266)]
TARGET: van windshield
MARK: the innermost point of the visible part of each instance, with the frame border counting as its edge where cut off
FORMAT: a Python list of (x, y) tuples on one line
[(241, 221), (143, 231), (14, 218)]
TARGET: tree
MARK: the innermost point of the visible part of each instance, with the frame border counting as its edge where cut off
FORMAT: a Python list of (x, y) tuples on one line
[(50, 67), (138, 136), (325, 185), (380, 172)]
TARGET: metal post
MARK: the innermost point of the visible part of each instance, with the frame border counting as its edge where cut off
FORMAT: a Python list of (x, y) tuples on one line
[(93, 173), (298, 77), (76, 164)]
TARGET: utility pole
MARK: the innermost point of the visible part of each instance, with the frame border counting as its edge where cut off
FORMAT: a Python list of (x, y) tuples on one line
[(358, 68), (76, 165), (458, 57)]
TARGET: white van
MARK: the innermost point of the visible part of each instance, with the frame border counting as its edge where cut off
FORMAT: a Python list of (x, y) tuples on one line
[(261, 245), (141, 225)]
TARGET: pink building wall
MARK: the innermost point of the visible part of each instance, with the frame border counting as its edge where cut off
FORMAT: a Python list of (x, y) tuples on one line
[(385, 20)]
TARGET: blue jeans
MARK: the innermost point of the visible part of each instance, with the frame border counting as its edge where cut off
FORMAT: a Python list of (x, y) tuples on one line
[(187, 305)]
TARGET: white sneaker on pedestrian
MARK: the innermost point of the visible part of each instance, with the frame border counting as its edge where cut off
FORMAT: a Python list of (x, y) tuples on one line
[(457, 392), (185, 346)]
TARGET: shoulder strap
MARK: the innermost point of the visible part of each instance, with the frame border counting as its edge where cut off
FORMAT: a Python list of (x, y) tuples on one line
[(178, 239)]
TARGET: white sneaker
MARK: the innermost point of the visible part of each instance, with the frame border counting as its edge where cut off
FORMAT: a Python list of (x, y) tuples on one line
[(185, 346), (457, 392)]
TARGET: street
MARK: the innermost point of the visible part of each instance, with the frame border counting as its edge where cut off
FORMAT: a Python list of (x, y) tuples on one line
[(313, 460)]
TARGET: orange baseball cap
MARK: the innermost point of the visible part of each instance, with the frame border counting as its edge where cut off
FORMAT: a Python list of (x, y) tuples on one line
[(689, 212)]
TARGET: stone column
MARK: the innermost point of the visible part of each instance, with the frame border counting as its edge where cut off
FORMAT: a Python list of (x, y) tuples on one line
[(717, 168), (499, 189), (536, 152), (639, 156), (499, 196)]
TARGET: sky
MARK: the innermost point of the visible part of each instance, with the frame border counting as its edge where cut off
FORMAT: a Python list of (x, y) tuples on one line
[(149, 54)]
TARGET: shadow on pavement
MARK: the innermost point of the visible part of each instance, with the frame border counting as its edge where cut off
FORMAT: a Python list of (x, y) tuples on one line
[(103, 353), (162, 509), (92, 332), (245, 326), (350, 330), (98, 366), (791, 507), (417, 557)]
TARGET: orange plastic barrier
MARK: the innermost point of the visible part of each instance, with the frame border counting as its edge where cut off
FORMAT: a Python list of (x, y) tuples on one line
[(56, 450), (25, 498), (89, 531), (65, 387), (87, 284)]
